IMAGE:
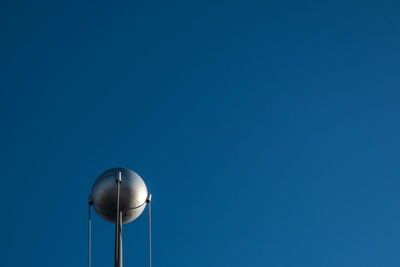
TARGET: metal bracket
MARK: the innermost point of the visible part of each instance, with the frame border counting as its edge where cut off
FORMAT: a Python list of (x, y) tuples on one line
[(119, 178), (148, 200)]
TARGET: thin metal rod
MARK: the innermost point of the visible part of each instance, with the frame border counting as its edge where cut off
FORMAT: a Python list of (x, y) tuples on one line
[(118, 230), (149, 234), (149, 212), (90, 237), (120, 240)]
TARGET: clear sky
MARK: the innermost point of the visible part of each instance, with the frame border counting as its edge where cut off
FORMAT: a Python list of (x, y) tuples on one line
[(267, 131)]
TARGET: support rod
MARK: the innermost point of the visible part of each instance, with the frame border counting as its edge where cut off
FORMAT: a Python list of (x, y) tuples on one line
[(90, 233), (148, 200), (118, 228)]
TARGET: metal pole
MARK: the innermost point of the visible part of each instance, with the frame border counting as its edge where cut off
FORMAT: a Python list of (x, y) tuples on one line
[(118, 229), (90, 234), (120, 240), (148, 200)]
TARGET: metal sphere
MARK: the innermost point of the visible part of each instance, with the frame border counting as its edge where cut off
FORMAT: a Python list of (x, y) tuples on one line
[(133, 195)]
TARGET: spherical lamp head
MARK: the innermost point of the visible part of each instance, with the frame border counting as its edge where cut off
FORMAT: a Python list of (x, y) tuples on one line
[(133, 195)]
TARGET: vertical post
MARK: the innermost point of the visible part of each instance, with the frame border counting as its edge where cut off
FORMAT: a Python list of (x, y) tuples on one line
[(118, 228), (90, 233), (120, 240), (148, 200)]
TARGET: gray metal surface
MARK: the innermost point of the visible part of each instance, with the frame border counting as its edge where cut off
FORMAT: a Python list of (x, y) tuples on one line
[(118, 228), (133, 195)]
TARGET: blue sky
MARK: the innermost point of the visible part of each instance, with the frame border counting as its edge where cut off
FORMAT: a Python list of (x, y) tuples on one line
[(267, 131)]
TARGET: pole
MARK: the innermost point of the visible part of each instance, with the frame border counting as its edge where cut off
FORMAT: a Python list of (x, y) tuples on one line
[(90, 234), (118, 228), (148, 200)]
